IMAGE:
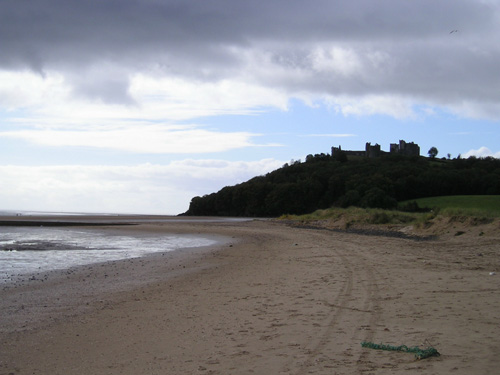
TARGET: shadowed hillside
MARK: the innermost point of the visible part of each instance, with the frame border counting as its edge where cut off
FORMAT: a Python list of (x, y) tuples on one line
[(324, 181)]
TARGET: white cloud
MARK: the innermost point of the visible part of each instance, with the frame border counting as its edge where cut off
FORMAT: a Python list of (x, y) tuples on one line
[(395, 106), (25, 89), (152, 139), (484, 109), (44, 110), (481, 152), (337, 60), (219, 171), (185, 99), (147, 188), (49, 99)]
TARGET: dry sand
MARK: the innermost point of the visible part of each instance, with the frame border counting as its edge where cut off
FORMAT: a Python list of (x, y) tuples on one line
[(271, 299)]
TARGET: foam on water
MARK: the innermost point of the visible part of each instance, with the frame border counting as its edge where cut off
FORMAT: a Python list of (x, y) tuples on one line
[(25, 251)]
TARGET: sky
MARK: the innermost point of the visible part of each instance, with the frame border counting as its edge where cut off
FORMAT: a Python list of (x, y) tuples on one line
[(137, 106)]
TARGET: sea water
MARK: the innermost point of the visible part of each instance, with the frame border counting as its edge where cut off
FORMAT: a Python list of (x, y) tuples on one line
[(30, 250)]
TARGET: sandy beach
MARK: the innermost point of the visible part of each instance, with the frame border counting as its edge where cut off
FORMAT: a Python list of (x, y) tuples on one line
[(269, 298)]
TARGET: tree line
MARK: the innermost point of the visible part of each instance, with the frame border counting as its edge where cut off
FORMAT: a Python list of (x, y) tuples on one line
[(323, 181)]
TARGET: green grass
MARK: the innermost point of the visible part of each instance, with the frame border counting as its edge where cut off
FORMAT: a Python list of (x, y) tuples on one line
[(463, 205)]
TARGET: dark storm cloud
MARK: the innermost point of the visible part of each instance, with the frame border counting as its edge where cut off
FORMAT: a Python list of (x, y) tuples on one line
[(325, 47), (82, 29)]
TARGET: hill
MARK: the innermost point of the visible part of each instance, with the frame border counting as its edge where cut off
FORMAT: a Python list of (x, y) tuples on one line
[(323, 181)]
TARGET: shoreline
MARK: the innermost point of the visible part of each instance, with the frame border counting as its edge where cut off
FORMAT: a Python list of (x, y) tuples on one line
[(96, 220), (274, 299), (79, 286), (78, 237)]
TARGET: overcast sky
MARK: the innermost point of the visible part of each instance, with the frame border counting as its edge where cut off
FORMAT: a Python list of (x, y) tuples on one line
[(136, 106)]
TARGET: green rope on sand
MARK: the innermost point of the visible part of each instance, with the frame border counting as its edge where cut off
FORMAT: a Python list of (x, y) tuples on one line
[(419, 353)]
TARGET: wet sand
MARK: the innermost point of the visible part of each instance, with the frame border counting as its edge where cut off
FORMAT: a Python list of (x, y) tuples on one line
[(268, 299)]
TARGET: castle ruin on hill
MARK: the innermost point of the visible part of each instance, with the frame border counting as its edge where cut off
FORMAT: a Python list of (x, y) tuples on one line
[(402, 148)]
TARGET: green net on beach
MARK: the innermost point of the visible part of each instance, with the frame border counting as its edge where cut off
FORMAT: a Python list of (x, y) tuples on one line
[(419, 353)]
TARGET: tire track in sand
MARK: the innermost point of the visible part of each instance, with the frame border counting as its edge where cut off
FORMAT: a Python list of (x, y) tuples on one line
[(356, 302), (337, 308), (371, 303)]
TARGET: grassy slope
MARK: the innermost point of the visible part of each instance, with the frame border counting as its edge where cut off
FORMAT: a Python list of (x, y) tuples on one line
[(474, 205)]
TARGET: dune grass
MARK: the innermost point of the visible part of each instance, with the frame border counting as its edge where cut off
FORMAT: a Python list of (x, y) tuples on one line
[(472, 206), (356, 215)]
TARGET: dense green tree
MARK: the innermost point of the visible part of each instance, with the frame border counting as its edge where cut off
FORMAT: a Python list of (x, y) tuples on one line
[(433, 151), (378, 198), (341, 156), (351, 198)]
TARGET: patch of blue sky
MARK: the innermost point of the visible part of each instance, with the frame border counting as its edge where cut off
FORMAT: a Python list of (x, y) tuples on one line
[(303, 130)]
